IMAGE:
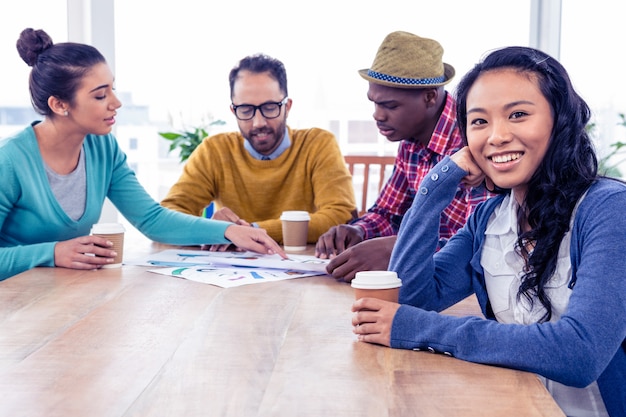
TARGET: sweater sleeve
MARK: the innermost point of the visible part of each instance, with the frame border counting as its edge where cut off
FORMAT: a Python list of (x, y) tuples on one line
[(333, 192), (18, 259), (17, 256), (414, 256)]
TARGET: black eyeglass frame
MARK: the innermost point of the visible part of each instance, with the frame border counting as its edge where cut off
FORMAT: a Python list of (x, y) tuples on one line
[(260, 108)]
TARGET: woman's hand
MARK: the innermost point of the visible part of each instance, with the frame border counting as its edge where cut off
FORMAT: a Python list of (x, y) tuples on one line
[(372, 320), (78, 253), (464, 159), (253, 239)]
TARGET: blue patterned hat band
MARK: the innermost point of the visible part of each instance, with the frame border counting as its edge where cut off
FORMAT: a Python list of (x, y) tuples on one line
[(407, 81), (405, 60)]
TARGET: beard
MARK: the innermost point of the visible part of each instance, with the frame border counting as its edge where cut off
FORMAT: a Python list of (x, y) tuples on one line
[(267, 138)]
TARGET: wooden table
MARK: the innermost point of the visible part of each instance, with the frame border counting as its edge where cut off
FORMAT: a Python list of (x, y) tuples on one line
[(127, 342)]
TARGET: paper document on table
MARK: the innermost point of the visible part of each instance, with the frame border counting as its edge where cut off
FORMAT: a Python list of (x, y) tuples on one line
[(182, 258), (231, 277)]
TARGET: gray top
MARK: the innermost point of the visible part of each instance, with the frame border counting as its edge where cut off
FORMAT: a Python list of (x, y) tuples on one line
[(70, 190)]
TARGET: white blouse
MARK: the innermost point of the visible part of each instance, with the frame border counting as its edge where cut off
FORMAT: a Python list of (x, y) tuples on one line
[(503, 268)]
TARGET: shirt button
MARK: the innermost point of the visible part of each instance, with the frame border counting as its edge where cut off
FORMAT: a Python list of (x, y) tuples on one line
[(434, 177), (417, 349), (424, 190), (431, 350), (447, 353), (445, 168)]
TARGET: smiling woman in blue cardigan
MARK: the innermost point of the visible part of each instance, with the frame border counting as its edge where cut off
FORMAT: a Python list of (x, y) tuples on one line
[(545, 259)]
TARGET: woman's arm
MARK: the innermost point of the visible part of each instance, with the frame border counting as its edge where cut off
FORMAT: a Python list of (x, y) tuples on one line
[(430, 285)]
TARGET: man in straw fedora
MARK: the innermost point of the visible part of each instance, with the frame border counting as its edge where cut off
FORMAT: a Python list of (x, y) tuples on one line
[(411, 106)]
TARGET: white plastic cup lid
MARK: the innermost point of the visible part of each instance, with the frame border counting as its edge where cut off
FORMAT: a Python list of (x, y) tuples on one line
[(107, 228), (376, 280), (295, 216)]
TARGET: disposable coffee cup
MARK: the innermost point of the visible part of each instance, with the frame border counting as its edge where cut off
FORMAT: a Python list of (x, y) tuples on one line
[(115, 233), (295, 230), (384, 285)]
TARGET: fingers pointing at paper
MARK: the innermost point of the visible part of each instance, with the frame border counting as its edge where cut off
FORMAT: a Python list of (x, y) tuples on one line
[(253, 239)]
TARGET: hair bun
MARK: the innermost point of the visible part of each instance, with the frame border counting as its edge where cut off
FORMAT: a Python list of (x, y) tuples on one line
[(31, 44)]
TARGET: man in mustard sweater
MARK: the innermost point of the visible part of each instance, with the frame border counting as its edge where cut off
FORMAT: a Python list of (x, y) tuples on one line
[(254, 175)]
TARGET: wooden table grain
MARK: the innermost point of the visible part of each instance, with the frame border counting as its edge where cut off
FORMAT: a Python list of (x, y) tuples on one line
[(127, 342)]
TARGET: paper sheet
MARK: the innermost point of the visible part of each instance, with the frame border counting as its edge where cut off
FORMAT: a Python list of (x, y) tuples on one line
[(187, 258), (231, 277)]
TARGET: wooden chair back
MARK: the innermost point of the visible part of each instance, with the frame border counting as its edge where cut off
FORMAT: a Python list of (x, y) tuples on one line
[(377, 166)]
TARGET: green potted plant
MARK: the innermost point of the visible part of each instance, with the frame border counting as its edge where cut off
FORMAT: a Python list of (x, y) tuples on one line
[(188, 139)]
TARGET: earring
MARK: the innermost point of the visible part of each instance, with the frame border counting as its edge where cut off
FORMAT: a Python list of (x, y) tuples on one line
[(65, 113)]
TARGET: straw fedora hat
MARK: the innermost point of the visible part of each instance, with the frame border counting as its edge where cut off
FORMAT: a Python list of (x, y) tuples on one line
[(406, 60)]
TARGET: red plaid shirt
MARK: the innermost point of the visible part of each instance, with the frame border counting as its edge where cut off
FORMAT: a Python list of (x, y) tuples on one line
[(413, 162)]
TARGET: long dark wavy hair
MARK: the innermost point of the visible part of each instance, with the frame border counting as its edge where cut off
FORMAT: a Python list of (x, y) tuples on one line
[(569, 167)]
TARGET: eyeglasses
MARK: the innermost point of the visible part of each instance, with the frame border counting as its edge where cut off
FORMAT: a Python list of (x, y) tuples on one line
[(269, 110)]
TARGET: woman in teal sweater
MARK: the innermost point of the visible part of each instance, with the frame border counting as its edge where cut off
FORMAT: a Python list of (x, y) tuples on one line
[(56, 173)]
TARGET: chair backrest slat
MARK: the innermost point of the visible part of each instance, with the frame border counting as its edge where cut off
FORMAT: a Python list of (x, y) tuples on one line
[(368, 161)]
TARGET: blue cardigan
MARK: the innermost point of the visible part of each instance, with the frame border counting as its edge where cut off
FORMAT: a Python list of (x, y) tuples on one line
[(587, 344), (32, 221)]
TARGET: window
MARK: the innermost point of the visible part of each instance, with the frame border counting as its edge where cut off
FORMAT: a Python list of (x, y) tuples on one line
[(591, 39), (187, 52), (50, 15)]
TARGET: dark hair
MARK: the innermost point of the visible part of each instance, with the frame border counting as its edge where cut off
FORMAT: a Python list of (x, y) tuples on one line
[(568, 169), (260, 63), (57, 69)]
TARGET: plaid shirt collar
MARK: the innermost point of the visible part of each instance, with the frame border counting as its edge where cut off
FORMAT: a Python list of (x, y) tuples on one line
[(446, 136)]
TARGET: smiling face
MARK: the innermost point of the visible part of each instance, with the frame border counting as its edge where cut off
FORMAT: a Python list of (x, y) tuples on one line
[(509, 123), (94, 105), (265, 135)]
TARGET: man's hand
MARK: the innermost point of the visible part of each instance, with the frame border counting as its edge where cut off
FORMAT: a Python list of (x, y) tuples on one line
[(369, 255), (228, 215), (338, 239)]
